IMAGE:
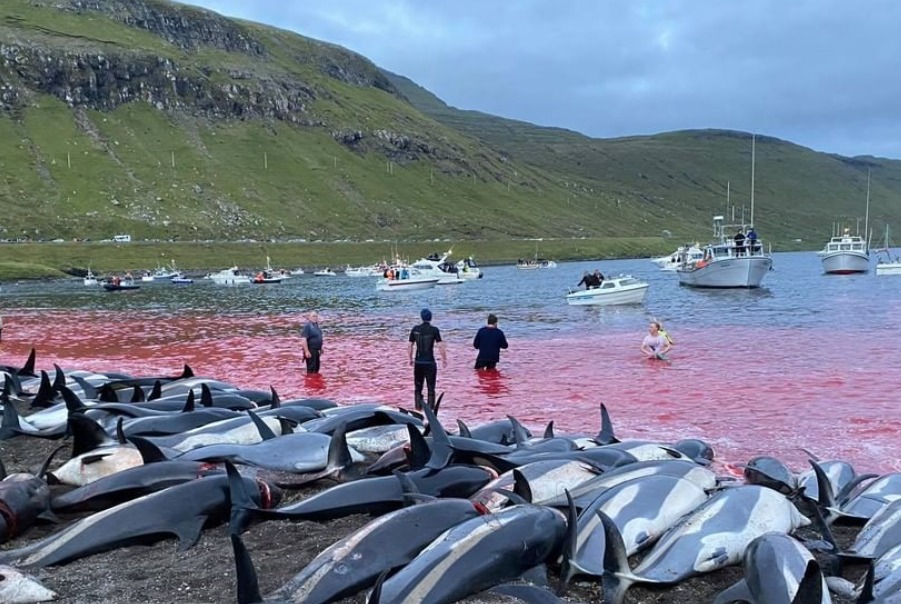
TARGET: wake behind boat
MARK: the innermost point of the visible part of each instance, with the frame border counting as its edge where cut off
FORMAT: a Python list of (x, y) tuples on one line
[(622, 289)]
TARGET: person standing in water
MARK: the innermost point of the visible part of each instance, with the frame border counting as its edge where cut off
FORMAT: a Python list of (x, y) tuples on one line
[(423, 339), (311, 341), (489, 341), (657, 343)]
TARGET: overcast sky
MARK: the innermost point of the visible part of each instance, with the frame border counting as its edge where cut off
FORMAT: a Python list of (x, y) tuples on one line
[(820, 73)]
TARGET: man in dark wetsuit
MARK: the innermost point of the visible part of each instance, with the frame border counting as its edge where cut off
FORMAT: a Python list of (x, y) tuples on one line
[(489, 340), (587, 280), (311, 341), (423, 339)]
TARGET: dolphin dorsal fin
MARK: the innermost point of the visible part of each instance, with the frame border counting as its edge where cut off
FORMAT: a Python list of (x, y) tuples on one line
[(206, 396), (87, 434), (189, 403)]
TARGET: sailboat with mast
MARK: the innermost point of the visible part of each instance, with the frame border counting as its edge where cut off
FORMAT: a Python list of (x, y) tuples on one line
[(845, 253), (730, 261)]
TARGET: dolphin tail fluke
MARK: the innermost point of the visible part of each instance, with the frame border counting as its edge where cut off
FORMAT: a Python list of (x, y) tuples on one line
[(606, 435), (617, 576), (242, 506), (825, 495), (810, 590), (42, 473), (521, 486), (156, 392), (844, 495), (248, 585)]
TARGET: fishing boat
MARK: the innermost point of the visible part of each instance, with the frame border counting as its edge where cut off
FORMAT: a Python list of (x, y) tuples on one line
[(325, 272), (622, 289), (90, 279), (729, 262), (535, 263), (887, 264), (181, 280), (845, 253)]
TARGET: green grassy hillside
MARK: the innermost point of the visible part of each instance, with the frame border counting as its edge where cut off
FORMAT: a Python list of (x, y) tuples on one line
[(169, 122)]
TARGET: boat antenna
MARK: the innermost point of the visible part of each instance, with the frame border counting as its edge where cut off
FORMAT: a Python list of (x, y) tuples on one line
[(753, 159), (866, 222)]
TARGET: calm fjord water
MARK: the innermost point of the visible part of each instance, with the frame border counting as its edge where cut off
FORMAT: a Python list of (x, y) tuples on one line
[(807, 361)]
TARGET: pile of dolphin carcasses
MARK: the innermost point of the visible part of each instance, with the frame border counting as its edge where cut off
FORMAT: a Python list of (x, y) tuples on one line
[(481, 509)]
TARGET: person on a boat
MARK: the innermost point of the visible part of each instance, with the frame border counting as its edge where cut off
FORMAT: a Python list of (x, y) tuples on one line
[(598, 277), (489, 341), (655, 345), (587, 279), (423, 340), (311, 342), (739, 243), (751, 240), (116, 280)]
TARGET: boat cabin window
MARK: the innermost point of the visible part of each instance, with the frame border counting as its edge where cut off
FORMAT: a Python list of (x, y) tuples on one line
[(607, 285)]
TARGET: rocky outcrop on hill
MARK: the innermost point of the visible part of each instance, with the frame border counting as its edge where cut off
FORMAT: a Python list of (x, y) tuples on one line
[(100, 75)]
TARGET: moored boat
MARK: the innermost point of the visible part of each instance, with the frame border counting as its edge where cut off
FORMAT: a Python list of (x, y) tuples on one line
[(115, 284), (726, 263), (692, 252), (468, 269), (90, 279), (229, 276), (622, 289), (325, 272), (887, 264), (440, 267), (409, 279)]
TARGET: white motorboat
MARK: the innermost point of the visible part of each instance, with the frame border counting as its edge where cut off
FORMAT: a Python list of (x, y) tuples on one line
[(438, 266), (622, 289), (886, 264), (670, 263), (468, 269), (325, 272), (297, 271), (90, 279), (410, 279), (536, 263), (162, 273), (229, 276)]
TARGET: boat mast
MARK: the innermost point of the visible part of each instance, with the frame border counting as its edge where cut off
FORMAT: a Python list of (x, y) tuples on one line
[(866, 222), (753, 159)]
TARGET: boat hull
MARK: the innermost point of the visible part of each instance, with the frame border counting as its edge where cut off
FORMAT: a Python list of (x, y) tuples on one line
[(844, 263), (384, 285), (599, 297), (888, 268), (119, 288), (745, 272)]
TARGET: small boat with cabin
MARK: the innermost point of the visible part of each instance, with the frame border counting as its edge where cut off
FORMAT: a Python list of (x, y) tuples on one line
[(90, 279), (622, 289), (405, 279), (886, 264), (846, 254), (117, 284), (229, 276)]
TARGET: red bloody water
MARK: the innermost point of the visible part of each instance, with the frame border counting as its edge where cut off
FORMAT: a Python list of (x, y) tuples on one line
[(747, 391)]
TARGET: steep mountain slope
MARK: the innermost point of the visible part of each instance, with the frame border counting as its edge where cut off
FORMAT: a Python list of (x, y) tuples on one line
[(167, 121)]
